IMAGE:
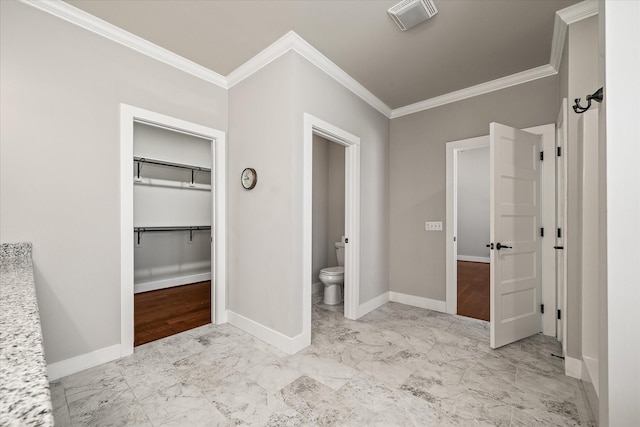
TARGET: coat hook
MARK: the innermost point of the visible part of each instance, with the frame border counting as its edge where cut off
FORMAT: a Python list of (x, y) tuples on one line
[(597, 96)]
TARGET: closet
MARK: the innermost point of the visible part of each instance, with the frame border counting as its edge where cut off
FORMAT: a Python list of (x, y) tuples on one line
[(172, 226)]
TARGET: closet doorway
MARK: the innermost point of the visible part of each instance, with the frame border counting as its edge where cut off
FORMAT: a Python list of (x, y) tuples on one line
[(473, 263), (173, 226)]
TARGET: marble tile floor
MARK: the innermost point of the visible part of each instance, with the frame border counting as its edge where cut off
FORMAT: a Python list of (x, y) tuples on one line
[(396, 366)]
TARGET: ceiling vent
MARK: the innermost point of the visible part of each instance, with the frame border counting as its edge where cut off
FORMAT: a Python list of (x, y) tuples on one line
[(409, 13)]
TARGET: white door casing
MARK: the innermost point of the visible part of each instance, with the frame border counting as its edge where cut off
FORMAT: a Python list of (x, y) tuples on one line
[(561, 215), (313, 125), (128, 116), (515, 223)]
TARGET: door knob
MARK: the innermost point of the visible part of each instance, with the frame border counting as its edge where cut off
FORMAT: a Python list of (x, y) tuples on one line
[(558, 247), (500, 246)]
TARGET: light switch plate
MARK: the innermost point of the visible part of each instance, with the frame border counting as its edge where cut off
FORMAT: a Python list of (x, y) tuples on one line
[(433, 226)]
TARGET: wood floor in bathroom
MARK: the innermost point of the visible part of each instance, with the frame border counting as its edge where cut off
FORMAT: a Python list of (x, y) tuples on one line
[(165, 312), (473, 289)]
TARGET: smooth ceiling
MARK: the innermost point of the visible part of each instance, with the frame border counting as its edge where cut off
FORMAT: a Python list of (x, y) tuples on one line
[(468, 42)]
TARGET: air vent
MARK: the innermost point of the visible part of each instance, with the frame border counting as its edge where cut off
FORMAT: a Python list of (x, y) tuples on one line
[(409, 13)]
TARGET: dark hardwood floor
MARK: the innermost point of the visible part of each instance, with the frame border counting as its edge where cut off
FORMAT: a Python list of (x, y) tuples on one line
[(165, 312), (473, 289)]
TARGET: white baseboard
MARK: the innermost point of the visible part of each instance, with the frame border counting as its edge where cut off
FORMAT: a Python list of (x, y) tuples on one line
[(75, 364), (316, 288), (590, 372), (289, 345), (430, 304), (573, 367), (171, 282), (486, 260), (372, 304)]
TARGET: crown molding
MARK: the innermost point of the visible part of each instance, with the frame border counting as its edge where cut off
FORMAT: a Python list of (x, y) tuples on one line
[(96, 25), (293, 42), (578, 12), (564, 18), (481, 89)]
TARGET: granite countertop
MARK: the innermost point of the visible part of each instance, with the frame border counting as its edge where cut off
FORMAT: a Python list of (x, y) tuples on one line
[(24, 387)]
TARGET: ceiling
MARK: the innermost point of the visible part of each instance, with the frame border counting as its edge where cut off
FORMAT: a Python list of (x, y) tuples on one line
[(467, 43)]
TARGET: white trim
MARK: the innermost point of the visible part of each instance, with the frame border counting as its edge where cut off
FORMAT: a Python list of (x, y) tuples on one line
[(557, 42), (590, 372), (75, 364), (373, 304), (154, 285), (564, 18), (548, 221), (287, 344), (313, 125), (109, 31), (573, 367), (480, 89), (292, 41), (128, 116), (578, 12), (451, 229), (429, 304), (484, 259)]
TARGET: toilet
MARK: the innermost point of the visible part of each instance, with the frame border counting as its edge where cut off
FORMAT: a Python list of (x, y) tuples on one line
[(333, 278)]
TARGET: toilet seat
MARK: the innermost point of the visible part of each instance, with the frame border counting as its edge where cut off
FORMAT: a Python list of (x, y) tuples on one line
[(332, 271)]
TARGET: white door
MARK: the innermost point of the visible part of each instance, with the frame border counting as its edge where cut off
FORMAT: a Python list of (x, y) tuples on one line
[(515, 223)]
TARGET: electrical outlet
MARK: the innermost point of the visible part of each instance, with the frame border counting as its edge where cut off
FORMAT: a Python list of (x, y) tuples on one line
[(433, 226)]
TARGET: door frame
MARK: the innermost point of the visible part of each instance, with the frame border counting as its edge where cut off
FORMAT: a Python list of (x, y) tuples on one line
[(129, 115), (313, 125), (561, 162), (548, 134)]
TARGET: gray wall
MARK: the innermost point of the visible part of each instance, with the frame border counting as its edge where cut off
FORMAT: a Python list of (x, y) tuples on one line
[(336, 200), (265, 224), (320, 202), (320, 95), (262, 225), (328, 203), (582, 80), (473, 202), (59, 179), (417, 174), (162, 254)]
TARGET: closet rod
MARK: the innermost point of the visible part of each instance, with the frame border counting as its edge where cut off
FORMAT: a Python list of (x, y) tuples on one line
[(170, 164), (191, 229)]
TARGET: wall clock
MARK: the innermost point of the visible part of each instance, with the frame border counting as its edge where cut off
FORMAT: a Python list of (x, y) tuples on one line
[(249, 178)]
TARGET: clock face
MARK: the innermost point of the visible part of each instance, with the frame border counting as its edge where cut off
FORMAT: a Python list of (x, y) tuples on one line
[(249, 178)]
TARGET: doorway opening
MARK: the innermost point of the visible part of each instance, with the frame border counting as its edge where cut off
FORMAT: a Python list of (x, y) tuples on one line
[(472, 225), (468, 258), (314, 126), (163, 245), (328, 224)]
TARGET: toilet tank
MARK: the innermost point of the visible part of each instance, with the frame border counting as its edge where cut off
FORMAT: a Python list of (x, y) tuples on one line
[(340, 253)]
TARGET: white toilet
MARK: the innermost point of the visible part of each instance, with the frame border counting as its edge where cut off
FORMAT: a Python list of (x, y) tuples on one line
[(333, 278)]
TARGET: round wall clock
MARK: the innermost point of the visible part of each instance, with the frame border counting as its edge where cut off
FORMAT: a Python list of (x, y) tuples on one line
[(249, 178)]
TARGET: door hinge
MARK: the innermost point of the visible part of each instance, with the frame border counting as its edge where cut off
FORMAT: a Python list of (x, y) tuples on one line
[(541, 155), (559, 233), (542, 308), (559, 151), (541, 231), (559, 314)]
